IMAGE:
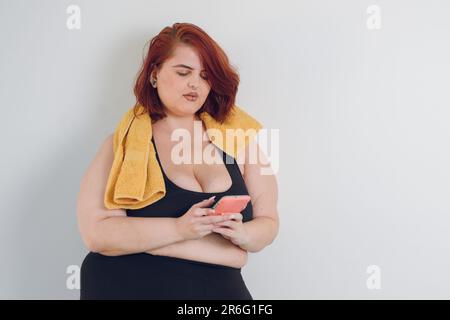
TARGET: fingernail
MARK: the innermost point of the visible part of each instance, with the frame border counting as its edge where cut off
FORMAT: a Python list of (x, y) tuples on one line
[(212, 197)]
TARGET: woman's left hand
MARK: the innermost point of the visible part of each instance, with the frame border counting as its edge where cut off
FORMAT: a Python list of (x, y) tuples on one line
[(233, 229)]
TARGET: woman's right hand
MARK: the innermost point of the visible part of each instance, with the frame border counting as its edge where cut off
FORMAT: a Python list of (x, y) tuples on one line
[(199, 220)]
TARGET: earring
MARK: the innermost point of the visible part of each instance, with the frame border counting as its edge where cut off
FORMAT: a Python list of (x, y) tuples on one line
[(153, 82)]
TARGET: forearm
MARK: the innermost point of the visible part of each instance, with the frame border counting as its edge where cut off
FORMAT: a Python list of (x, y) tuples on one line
[(212, 248), (261, 233), (127, 235)]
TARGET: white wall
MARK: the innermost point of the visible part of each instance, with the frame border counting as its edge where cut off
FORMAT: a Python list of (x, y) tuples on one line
[(363, 118)]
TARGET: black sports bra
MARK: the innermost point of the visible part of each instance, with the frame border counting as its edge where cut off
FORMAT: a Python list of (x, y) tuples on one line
[(178, 200)]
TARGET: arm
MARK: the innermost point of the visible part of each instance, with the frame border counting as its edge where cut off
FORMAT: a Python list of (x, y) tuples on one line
[(262, 231), (263, 190), (111, 232), (212, 248)]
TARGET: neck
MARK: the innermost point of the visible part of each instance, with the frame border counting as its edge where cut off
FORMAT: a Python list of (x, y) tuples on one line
[(172, 122)]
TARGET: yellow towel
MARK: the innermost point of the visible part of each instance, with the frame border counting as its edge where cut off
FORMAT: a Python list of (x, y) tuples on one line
[(135, 179)]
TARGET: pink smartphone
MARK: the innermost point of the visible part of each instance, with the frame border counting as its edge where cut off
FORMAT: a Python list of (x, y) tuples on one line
[(231, 204)]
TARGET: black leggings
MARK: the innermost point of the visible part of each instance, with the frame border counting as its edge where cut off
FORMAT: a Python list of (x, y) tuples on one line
[(146, 276)]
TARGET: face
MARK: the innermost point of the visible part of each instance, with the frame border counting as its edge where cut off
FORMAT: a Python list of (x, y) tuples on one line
[(180, 75)]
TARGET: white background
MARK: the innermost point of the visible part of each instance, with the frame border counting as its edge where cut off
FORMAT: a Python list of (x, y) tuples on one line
[(363, 119)]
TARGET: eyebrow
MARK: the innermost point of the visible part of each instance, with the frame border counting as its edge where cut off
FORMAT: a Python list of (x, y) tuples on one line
[(185, 66)]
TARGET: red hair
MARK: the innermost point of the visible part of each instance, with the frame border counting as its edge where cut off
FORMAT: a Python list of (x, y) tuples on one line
[(222, 77)]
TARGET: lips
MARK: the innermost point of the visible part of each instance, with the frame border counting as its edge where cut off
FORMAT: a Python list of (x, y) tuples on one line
[(191, 96)]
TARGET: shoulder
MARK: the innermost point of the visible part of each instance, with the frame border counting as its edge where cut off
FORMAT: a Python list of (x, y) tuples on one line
[(106, 148), (108, 142), (102, 161)]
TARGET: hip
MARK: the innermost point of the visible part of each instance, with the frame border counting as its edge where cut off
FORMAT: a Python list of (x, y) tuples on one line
[(150, 276)]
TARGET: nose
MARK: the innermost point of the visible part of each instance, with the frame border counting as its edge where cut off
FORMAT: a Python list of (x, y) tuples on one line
[(193, 82)]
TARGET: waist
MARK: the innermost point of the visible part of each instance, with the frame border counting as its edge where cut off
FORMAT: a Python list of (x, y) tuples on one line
[(156, 262)]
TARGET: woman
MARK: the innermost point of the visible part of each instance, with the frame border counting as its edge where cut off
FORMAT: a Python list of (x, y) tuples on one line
[(174, 248)]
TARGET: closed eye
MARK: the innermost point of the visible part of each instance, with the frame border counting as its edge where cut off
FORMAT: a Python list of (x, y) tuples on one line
[(185, 74)]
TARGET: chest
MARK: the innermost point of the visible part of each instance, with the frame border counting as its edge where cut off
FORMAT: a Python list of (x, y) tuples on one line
[(193, 167)]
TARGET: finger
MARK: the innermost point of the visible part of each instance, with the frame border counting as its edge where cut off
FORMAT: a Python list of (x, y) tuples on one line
[(205, 227), (224, 231), (212, 219), (235, 216), (204, 203), (201, 212), (230, 223)]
